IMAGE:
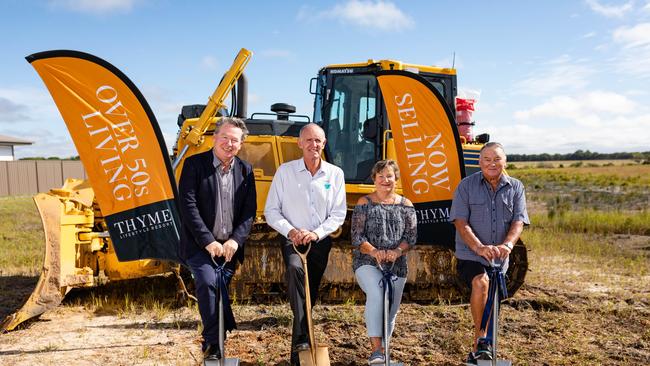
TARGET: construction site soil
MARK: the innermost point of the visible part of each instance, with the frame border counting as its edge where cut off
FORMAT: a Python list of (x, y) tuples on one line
[(571, 311)]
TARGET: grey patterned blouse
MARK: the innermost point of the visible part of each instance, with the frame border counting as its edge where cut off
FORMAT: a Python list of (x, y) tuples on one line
[(384, 226)]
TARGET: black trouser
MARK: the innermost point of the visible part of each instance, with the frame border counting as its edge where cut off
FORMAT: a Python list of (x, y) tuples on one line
[(295, 276)]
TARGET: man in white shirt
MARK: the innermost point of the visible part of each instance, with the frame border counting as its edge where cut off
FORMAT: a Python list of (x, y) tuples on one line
[(306, 203)]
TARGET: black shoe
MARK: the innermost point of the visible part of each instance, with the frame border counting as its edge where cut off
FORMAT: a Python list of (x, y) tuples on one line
[(471, 359), (301, 347), (484, 349), (295, 360), (212, 353)]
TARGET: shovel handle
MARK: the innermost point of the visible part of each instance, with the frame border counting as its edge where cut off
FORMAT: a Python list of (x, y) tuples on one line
[(301, 254), (310, 326)]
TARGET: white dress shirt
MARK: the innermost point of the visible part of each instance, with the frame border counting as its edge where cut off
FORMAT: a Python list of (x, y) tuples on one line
[(298, 200)]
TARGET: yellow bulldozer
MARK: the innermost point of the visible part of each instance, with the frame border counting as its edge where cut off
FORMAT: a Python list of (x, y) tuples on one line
[(348, 105)]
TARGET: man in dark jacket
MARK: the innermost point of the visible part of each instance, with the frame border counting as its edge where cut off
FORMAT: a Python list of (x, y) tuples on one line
[(217, 204)]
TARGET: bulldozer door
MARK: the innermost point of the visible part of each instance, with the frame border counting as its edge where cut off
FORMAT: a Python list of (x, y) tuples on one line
[(351, 125)]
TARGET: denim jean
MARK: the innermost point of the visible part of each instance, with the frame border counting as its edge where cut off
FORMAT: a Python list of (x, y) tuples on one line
[(369, 279)]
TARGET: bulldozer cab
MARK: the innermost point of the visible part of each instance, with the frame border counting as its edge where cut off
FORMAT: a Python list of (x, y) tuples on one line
[(349, 107)]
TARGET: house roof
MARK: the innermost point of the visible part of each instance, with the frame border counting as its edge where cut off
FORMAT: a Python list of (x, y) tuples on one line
[(8, 140)]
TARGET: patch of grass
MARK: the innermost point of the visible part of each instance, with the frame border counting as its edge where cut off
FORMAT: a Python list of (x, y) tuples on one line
[(593, 221), (602, 188), (151, 295), (22, 244), (50, 347), (547, 243)]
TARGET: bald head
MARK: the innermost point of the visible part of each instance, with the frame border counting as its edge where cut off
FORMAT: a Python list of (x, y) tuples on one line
[(311, 127), (311, 141)]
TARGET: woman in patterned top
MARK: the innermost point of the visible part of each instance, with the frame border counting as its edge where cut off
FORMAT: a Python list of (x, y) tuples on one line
[(384, 228)]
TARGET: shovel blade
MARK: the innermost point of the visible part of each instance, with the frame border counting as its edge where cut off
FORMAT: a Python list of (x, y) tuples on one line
[(227, 362), (322, 357)]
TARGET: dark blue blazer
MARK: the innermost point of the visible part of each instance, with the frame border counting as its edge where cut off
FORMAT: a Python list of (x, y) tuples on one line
[(197, 191)]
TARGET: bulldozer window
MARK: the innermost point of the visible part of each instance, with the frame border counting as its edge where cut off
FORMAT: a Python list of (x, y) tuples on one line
[(352, 109)]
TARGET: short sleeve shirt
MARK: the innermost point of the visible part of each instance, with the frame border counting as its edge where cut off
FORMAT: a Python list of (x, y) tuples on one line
[(489, 213)]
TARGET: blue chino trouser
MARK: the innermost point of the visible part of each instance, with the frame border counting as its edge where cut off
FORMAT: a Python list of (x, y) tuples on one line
[(203, 271)]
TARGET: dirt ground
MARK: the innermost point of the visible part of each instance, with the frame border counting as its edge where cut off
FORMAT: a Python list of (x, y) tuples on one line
[(571, 311)]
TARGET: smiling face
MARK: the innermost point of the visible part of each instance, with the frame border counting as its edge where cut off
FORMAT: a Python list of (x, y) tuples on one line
[(311, 142), (492, 162), (385, 180), (227, 142)]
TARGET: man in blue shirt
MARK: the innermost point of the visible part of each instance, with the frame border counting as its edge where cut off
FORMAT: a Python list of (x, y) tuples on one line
[(489, 213)]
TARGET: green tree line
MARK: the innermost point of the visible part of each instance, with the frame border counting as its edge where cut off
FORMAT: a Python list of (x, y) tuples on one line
[(581, 155)]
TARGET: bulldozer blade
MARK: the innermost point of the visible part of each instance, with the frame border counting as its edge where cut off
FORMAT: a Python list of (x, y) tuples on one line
[(48, 293), (319, 358)]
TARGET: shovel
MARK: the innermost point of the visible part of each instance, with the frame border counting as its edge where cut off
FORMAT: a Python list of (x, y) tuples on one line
[(387, 292), (222, 331), (316, 355), (491, 312)]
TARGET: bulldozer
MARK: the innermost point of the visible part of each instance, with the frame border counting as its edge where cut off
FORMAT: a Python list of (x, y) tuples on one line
[(79, 251)]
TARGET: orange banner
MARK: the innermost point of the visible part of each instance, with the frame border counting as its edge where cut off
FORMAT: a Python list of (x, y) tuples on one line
[(428, 148), (121, 146), (427, 143)]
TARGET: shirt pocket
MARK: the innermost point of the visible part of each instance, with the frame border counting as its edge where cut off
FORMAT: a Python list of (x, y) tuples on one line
[(478, 210), (508, 208)]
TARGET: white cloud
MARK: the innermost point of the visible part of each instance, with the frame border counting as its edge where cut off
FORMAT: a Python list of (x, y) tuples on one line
[(635, 62), (46, 143), (599, 121), (26, 104), (588, 35), (636, 36), (96, 6), (634, 56), (10, 111), (367, 14), (536, 137), (581, 108), (610, 11), (560, 75)]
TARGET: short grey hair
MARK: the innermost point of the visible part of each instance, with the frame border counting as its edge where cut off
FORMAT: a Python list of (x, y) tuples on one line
[(491, 145), (235, 122)]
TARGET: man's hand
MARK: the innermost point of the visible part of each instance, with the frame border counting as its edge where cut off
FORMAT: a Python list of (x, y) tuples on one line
[(308, 236), (302, 236), (215, 249), (295, 236), (229, 249), (504, 251), (489, 252)]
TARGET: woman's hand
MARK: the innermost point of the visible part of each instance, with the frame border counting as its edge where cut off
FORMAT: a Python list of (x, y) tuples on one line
[(379, 255), (392, 255)]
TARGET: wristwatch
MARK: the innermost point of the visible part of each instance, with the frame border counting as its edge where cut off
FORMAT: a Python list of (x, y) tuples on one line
[(508, 245)]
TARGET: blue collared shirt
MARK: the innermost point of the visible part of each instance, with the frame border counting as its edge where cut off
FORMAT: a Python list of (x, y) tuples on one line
[(489, 213), (298, 200)]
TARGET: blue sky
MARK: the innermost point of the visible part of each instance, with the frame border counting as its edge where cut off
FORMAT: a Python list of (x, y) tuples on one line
[(554, 76)]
